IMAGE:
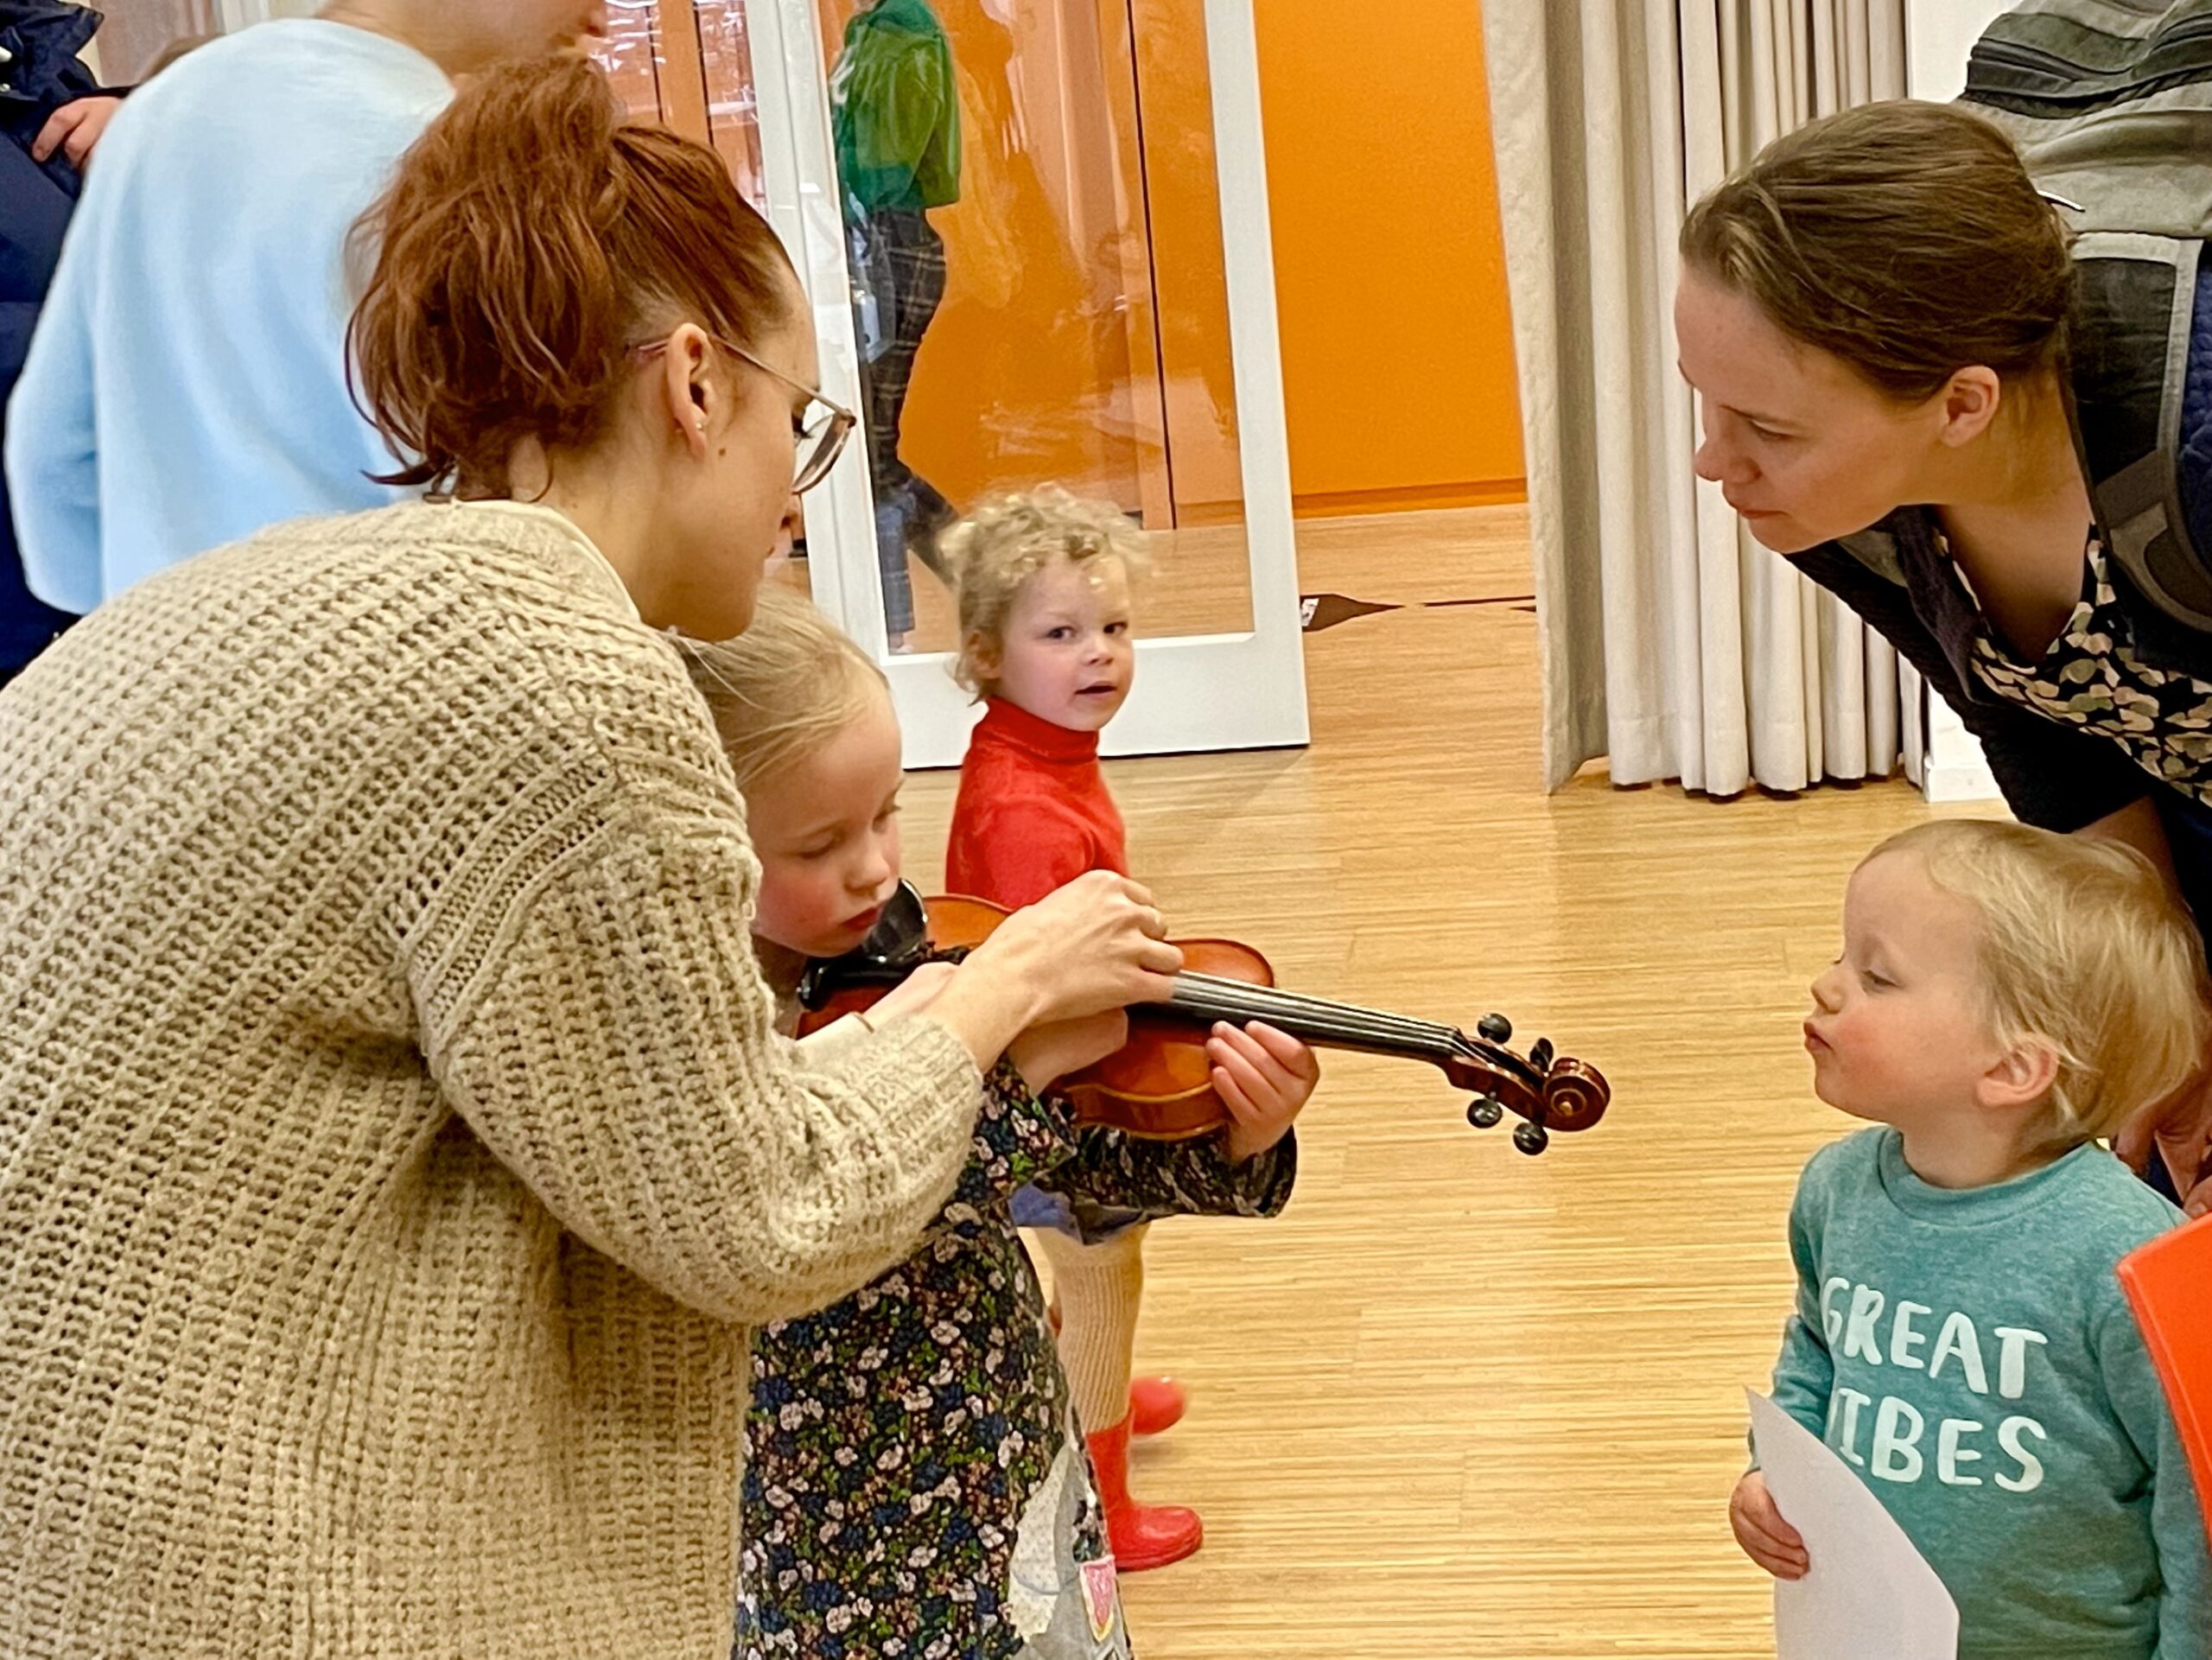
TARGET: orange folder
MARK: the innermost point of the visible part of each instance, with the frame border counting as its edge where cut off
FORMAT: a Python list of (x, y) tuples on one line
[(2169, 1282)]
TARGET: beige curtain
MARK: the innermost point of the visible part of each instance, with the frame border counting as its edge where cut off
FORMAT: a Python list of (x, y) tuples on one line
[(1672, 644), (134, 33)]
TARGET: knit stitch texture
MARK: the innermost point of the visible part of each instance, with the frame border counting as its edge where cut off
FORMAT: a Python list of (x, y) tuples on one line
[(394, 1143)]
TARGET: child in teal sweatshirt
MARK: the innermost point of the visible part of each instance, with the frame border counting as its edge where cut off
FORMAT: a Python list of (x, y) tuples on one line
[(2004, 997)]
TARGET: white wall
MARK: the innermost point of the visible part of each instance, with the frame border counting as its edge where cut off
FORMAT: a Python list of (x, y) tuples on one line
[(1937, 36)]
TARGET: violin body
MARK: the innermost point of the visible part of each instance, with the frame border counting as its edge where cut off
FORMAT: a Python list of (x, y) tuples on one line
[(1159, 1084)]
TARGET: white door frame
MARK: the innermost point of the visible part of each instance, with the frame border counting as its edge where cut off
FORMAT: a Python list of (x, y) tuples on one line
[(1243, 691), (1939, 35)]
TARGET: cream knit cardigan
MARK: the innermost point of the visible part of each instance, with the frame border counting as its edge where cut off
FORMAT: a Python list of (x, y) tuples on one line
[(394, 1143)]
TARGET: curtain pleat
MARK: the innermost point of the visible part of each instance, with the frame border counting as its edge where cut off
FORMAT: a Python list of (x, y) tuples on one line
[(1673, 644)]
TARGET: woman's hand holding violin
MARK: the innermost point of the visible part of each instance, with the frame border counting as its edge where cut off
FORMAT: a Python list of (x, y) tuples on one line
[(1093, 947), (1045, 1054), (915, 995)]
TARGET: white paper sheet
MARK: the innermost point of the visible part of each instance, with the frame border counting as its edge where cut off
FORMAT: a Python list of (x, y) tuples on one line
[(1870, 1595)]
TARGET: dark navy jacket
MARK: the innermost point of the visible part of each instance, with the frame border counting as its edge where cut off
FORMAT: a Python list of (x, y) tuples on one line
[(42, 38)]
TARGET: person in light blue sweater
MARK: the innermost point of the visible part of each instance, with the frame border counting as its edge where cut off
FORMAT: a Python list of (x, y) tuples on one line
[(2005, 996), (186, 385)]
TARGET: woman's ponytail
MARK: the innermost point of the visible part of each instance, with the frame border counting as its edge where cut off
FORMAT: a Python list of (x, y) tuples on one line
[(531, 237)]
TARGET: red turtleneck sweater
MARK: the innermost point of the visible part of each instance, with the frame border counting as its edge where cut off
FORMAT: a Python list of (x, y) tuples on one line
[(1033, 810)]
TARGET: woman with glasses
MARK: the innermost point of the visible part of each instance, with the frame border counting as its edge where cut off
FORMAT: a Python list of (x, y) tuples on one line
[(396, 1142)]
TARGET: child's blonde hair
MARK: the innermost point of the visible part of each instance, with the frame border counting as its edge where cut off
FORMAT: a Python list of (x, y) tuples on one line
[(2082, 945), (991, 552), (784, 687)]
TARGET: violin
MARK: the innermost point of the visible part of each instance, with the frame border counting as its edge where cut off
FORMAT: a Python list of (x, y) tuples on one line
[(1159, 1084)]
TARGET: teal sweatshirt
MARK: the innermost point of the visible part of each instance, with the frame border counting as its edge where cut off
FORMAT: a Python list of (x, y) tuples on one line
[(1970, 1353)]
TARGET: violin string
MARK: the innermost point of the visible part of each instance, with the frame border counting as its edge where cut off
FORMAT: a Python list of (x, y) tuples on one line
[(1317, 1008), (1348, 1019), (1259, 1002)]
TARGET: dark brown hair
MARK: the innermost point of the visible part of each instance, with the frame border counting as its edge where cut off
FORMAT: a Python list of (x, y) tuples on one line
[(531, 237), (1903, 238)]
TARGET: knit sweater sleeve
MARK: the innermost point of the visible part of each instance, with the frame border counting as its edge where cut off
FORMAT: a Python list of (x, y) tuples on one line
[(614, 1045)]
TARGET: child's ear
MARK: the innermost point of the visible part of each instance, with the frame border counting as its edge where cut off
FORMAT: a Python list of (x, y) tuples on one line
[(2021, 1076), (983, 654)]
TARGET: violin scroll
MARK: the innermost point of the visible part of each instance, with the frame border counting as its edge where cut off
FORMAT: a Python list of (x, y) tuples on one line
[(1545, 1091)]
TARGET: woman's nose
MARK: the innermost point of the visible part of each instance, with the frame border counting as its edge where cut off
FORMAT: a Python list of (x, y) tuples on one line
[(1712, 461)]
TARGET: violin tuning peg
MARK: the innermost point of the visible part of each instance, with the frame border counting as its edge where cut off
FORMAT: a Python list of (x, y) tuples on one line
[(1540, 1056), (1531, 1138), (1495, 1027), (1484, 1113)]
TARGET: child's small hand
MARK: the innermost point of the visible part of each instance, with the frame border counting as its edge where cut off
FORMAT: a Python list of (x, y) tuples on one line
[(1263, 1077), (1766, 1538)]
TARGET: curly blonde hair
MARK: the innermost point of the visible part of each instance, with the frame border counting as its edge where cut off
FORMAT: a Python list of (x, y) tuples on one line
[(783, 688), (991, 552), (2082, 945)]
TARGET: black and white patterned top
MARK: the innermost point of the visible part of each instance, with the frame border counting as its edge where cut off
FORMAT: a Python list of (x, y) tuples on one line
[(916, 1487), (2090, 678)]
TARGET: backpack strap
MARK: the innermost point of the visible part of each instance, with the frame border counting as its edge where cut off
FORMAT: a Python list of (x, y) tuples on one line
[(2128, 361), (2110, 104)]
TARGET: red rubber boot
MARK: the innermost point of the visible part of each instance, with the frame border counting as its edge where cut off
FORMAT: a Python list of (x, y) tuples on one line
[(1143, 1536), (1155, 1405)]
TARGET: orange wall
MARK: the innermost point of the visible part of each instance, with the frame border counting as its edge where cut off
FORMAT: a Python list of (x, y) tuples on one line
[(1397, 343), (1396, 338)]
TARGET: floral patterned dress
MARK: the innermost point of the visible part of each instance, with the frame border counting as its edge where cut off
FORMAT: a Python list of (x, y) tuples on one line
[(915, 1483), (2089, 677)]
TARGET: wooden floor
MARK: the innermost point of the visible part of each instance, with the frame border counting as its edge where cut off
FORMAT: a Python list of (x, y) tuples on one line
[(1457, 1402)]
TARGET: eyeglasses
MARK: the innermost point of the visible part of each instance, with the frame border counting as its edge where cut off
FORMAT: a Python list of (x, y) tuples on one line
[(818, 430)]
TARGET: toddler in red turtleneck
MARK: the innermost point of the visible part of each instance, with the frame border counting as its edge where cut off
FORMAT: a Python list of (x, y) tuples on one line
[(1050, 653), (1043, 586)]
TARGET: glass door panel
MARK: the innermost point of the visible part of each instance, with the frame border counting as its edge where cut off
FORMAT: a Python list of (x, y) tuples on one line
[(1096, 328), (1017, 333)]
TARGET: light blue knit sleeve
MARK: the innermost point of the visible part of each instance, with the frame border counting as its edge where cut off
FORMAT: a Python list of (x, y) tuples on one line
[(53, 466)]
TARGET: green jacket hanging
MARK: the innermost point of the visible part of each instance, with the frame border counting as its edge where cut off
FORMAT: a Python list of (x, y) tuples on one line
[(895, 112)]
